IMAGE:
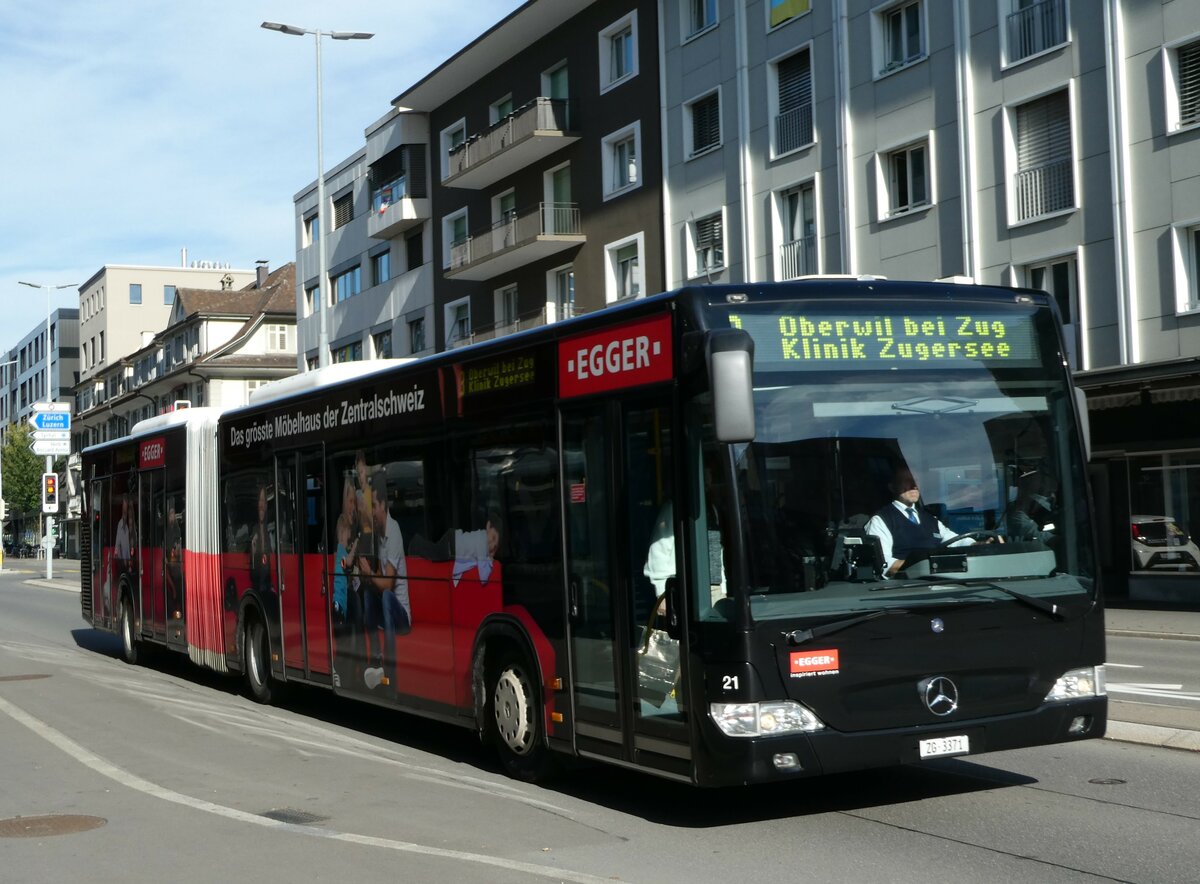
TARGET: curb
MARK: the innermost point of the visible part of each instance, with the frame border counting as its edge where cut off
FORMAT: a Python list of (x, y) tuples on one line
[(1153, 735), (1146, 633), (52, 584)]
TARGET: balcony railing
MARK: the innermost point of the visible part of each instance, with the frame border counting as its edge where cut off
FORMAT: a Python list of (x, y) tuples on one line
[(542, 125), (549, 228), (1045, 189), (1036, 28), (794, 129), (525, 321), (798, 258)]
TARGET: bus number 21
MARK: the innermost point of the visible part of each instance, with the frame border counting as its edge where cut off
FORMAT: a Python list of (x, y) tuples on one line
[(729, 682)]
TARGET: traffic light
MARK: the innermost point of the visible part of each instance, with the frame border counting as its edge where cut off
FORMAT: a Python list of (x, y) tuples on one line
[(49, 492)]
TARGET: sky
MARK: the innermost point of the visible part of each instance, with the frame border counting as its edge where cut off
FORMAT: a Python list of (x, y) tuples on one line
[(132, 129)]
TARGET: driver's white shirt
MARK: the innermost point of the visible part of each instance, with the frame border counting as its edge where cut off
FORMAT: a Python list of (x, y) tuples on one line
[(875, 525)]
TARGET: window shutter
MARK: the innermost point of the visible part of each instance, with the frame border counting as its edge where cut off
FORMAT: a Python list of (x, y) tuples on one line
[(343, 210), (706, 123), (795, 82), (1043, 132), (1189, 84)]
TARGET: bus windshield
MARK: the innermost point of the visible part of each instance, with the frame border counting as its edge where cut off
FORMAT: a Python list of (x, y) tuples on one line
[(909, 455)]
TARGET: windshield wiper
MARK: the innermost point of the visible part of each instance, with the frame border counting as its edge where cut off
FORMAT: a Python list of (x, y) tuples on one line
[(1032, 601), (800, 636)]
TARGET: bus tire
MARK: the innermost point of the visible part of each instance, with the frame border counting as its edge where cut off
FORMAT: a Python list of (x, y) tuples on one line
[(257, 661), (129, 642), (515, 717)]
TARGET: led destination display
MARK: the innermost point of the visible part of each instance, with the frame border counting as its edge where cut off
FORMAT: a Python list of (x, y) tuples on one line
[(820, 340)]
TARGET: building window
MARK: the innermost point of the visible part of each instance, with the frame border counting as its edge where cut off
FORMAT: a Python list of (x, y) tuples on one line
[(899, 36), (312, 363), (414, 250), (793, 117), (506, 306), (381, 268), (168, 294), (798, 232), (1044, 182), (311, 293), (347, 285), (621, 163), (702, 124), (1187, 267), (501, 109), (383, 344), (312, 230), (349, 353), (455, 244), (1164, 490), (1058, 279), (135, 293), (618, 52), (1033, 26), (452, 137), (277, 339), (563, 292), (708, 242), (702, 14), (906, 180), (458, 322), (416, 334), (1183, 86), (780, 11), (343, 210), (623, 270)]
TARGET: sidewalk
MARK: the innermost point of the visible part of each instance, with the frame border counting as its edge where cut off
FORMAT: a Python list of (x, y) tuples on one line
[(1129, 721)]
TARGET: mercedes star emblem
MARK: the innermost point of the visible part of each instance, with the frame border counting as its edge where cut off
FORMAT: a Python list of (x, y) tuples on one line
[(940, 694)]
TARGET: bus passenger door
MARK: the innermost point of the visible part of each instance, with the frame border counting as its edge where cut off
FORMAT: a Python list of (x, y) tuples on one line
[(150, 520), (301, 514), (618, 476)]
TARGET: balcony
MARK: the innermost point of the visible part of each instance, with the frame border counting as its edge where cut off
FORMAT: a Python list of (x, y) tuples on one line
[(528, 134), (516, 240), (1036, 29), (793, 129), (394, 209), (798, 258), (546, 315), (1044, 189)]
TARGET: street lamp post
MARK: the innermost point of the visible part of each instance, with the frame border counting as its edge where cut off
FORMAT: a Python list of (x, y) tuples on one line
[(49, 457), (322, 213)]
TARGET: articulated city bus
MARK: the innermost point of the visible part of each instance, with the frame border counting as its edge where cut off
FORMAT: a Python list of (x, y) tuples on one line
[(650, 535)]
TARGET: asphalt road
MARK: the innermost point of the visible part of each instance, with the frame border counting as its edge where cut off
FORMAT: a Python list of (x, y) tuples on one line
[(186, 780)]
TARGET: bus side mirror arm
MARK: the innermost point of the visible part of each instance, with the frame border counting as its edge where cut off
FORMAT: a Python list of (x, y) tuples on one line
[(730, 354), (672, 613)]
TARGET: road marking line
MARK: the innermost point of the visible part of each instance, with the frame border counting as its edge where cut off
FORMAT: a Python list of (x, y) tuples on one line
[(105, 768)]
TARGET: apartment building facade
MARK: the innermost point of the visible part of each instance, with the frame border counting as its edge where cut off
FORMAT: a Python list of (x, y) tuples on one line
[(515, 185), (24, 371), (1053, 144)]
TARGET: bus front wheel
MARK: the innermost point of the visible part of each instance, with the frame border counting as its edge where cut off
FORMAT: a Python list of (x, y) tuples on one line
[(516, 718), (257, 659)]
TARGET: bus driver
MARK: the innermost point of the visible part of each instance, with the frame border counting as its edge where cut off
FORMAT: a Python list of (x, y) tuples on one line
[(904, 527)]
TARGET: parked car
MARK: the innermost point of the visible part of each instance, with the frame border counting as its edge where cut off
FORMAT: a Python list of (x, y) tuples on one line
[(1160, 544)]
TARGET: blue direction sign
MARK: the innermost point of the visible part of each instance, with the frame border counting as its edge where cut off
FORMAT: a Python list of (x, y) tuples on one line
[(50, 420)]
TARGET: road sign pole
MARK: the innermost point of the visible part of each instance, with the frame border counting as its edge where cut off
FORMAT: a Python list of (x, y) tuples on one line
[(49, 546)]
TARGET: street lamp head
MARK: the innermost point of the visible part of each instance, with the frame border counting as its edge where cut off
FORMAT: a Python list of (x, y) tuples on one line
[(350, 35), (34, 285), (284, 29)]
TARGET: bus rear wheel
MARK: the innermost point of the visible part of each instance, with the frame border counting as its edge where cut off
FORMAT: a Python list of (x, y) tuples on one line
[(129, 642), (515, 717), (257, 665)]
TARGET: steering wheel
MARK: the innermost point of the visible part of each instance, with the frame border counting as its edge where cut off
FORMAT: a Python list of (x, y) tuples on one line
[(966, 534)]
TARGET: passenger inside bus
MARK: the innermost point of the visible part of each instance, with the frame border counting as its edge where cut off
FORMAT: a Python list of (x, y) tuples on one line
[(1030, 516)]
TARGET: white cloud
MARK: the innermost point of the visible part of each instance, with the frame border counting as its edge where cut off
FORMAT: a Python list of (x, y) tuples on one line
[(138, 128)]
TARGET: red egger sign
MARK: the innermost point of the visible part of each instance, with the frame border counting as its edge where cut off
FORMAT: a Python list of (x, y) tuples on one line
[(627, 355)]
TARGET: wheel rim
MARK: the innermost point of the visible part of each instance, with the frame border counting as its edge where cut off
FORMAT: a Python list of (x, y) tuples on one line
[(127, 629), (514, 710), (255, 662)]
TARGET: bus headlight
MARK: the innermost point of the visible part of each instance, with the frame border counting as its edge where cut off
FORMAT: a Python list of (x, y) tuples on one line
[(1089, 681), (763, 719)]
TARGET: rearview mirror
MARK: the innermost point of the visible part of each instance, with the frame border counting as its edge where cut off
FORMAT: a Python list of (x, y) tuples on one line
[(730, 372)]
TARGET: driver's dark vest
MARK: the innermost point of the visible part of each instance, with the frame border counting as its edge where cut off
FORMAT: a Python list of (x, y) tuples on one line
[(907, 537)]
